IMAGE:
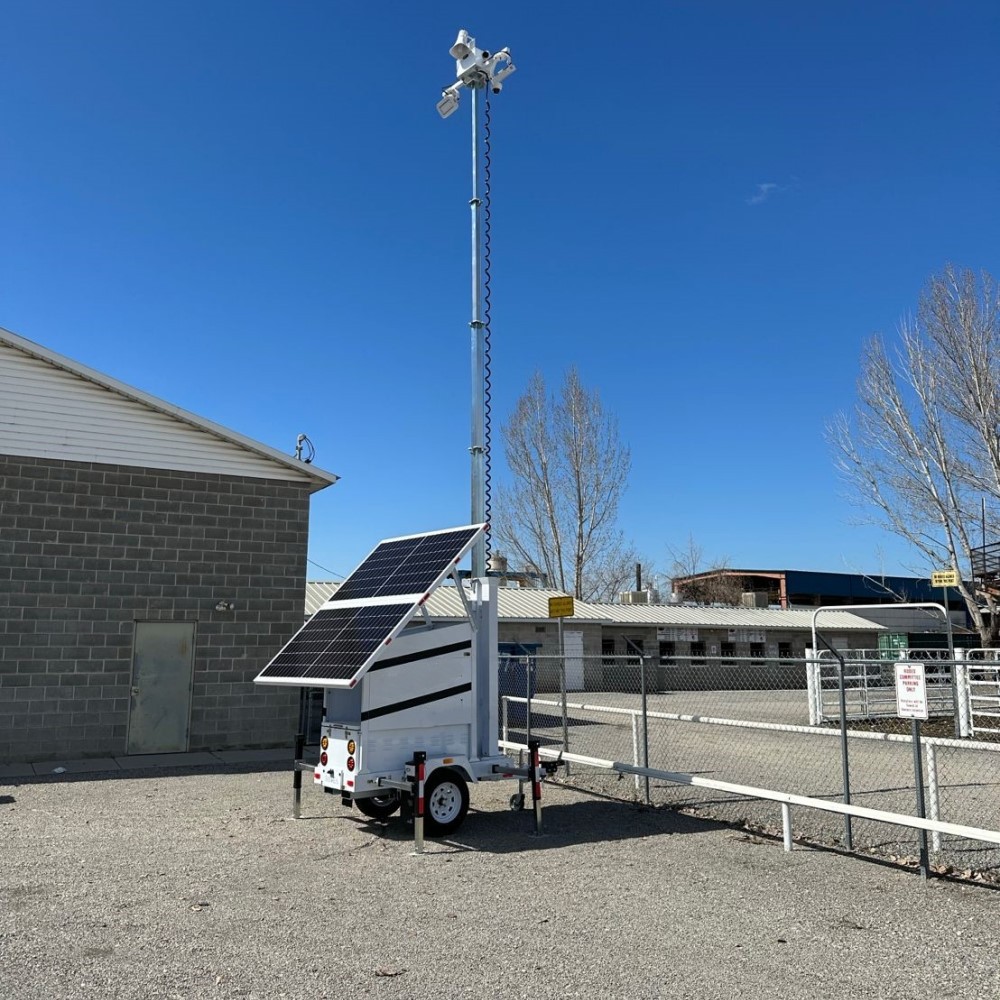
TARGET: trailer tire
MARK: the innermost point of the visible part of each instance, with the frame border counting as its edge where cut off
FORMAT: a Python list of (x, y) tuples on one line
[(446, 802), (379, 806)]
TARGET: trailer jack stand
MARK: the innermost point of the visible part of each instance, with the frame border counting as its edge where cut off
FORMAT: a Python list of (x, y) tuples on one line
[(297, 768), (536, 784), (418, 765)]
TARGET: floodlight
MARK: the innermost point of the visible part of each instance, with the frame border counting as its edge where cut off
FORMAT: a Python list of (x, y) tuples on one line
[(448, 104), (463, 45)]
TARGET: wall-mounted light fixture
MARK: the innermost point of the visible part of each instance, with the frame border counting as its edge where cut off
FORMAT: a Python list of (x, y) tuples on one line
[(225, 606)]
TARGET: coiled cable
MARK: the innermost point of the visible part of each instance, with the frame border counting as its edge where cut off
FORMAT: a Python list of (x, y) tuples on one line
[(487, 357)]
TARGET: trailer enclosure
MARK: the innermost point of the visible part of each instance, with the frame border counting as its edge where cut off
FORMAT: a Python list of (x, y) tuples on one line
[(400, 686)]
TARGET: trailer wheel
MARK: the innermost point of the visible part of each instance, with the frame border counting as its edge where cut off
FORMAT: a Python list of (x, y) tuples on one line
[(446, 802), (379, 806)]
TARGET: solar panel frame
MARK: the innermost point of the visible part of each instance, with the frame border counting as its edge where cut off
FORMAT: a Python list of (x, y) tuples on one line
[(409, 564), (345, 637)]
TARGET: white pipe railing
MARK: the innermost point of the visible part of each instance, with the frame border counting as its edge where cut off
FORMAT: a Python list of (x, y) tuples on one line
[(930, 742), (786, 799)]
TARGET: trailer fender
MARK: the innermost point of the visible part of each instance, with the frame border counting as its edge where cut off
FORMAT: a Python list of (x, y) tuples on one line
[(458, 765)]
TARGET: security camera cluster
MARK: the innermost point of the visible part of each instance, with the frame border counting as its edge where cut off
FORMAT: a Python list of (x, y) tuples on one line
[(474, 68)]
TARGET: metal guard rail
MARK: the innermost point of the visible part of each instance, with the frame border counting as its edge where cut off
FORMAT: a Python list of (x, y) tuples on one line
[(784, 799)]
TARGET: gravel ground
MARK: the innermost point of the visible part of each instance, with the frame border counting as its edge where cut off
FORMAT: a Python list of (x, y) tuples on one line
[(197, 885)]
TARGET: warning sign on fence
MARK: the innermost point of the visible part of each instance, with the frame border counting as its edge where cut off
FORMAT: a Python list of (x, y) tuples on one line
[(911, 690)]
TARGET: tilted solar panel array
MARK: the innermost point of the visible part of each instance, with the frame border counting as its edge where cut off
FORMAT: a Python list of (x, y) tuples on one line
[(370, 608), (405, 565), (336, 642)]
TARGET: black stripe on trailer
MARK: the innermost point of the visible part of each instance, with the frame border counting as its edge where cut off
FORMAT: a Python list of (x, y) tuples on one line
[(424, 654), (425, 699)]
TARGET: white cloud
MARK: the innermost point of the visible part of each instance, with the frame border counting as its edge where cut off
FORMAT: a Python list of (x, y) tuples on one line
[(764, 191)]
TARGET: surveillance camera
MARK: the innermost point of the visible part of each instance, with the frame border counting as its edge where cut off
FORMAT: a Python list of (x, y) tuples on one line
[(497, 78), (463, 45), (496, 86)]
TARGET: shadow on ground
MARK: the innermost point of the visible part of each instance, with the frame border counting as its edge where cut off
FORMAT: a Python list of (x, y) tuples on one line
[(582, 822)]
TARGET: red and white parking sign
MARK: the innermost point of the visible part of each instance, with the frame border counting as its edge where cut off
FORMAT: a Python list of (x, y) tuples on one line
[(911, 690)]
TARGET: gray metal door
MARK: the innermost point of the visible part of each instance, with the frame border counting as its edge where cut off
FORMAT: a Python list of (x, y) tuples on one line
[(573, 650), (162, 667)]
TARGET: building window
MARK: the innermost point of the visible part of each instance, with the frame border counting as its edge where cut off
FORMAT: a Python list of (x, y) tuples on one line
[(727, 650), (608, 652), (668, 650), (757, 653), (784, 650), (636, 648), (697, 654)]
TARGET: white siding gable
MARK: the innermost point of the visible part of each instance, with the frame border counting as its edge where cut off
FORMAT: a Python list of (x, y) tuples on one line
[(51, 411)]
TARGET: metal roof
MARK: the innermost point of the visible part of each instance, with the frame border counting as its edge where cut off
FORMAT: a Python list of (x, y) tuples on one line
[(516, 604), (531, 605), (318, 592), (729, 617)]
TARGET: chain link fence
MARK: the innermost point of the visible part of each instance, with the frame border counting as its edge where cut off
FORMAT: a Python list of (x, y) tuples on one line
[(785, 724)]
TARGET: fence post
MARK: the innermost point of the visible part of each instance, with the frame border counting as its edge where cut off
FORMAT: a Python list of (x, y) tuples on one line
[(845, 767), (934, 805), (527, 700), (786, 825), (645, 724), (962, 692), (562, 689), (635, 745), (918, 776), (812, 683)]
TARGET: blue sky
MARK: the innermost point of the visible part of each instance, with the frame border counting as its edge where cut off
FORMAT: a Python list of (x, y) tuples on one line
[(253, 211)]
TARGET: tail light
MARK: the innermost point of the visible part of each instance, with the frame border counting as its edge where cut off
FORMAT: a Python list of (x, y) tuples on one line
[(350, 763), (323, 759)]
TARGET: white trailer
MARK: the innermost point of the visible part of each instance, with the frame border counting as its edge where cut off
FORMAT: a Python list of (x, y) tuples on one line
[(410, 706)]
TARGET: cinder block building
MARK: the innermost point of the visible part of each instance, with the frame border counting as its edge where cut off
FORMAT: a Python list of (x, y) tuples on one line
[(151, 562)]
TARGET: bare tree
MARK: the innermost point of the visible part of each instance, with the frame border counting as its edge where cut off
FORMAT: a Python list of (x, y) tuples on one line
[(922, 448), (708, 581), (569, 470)]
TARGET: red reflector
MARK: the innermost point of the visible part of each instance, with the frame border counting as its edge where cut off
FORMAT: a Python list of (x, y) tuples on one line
[(350, 763), (350, 784), (323, 758)]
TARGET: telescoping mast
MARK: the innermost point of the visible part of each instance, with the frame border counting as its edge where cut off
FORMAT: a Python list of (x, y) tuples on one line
[(410, 704)]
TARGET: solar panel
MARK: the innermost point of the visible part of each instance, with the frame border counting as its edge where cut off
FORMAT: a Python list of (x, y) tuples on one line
[(338, 644), (411, 565), (336, 641)]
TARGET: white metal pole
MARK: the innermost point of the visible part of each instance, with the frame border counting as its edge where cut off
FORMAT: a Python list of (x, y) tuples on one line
[(478, 449), (934, 805), (635, 745)]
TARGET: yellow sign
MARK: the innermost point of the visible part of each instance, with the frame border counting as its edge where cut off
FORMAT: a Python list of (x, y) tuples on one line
[(944, 578), (560, 607)]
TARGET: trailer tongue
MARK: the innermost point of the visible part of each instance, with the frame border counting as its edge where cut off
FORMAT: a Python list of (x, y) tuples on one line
[(410, 705)]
